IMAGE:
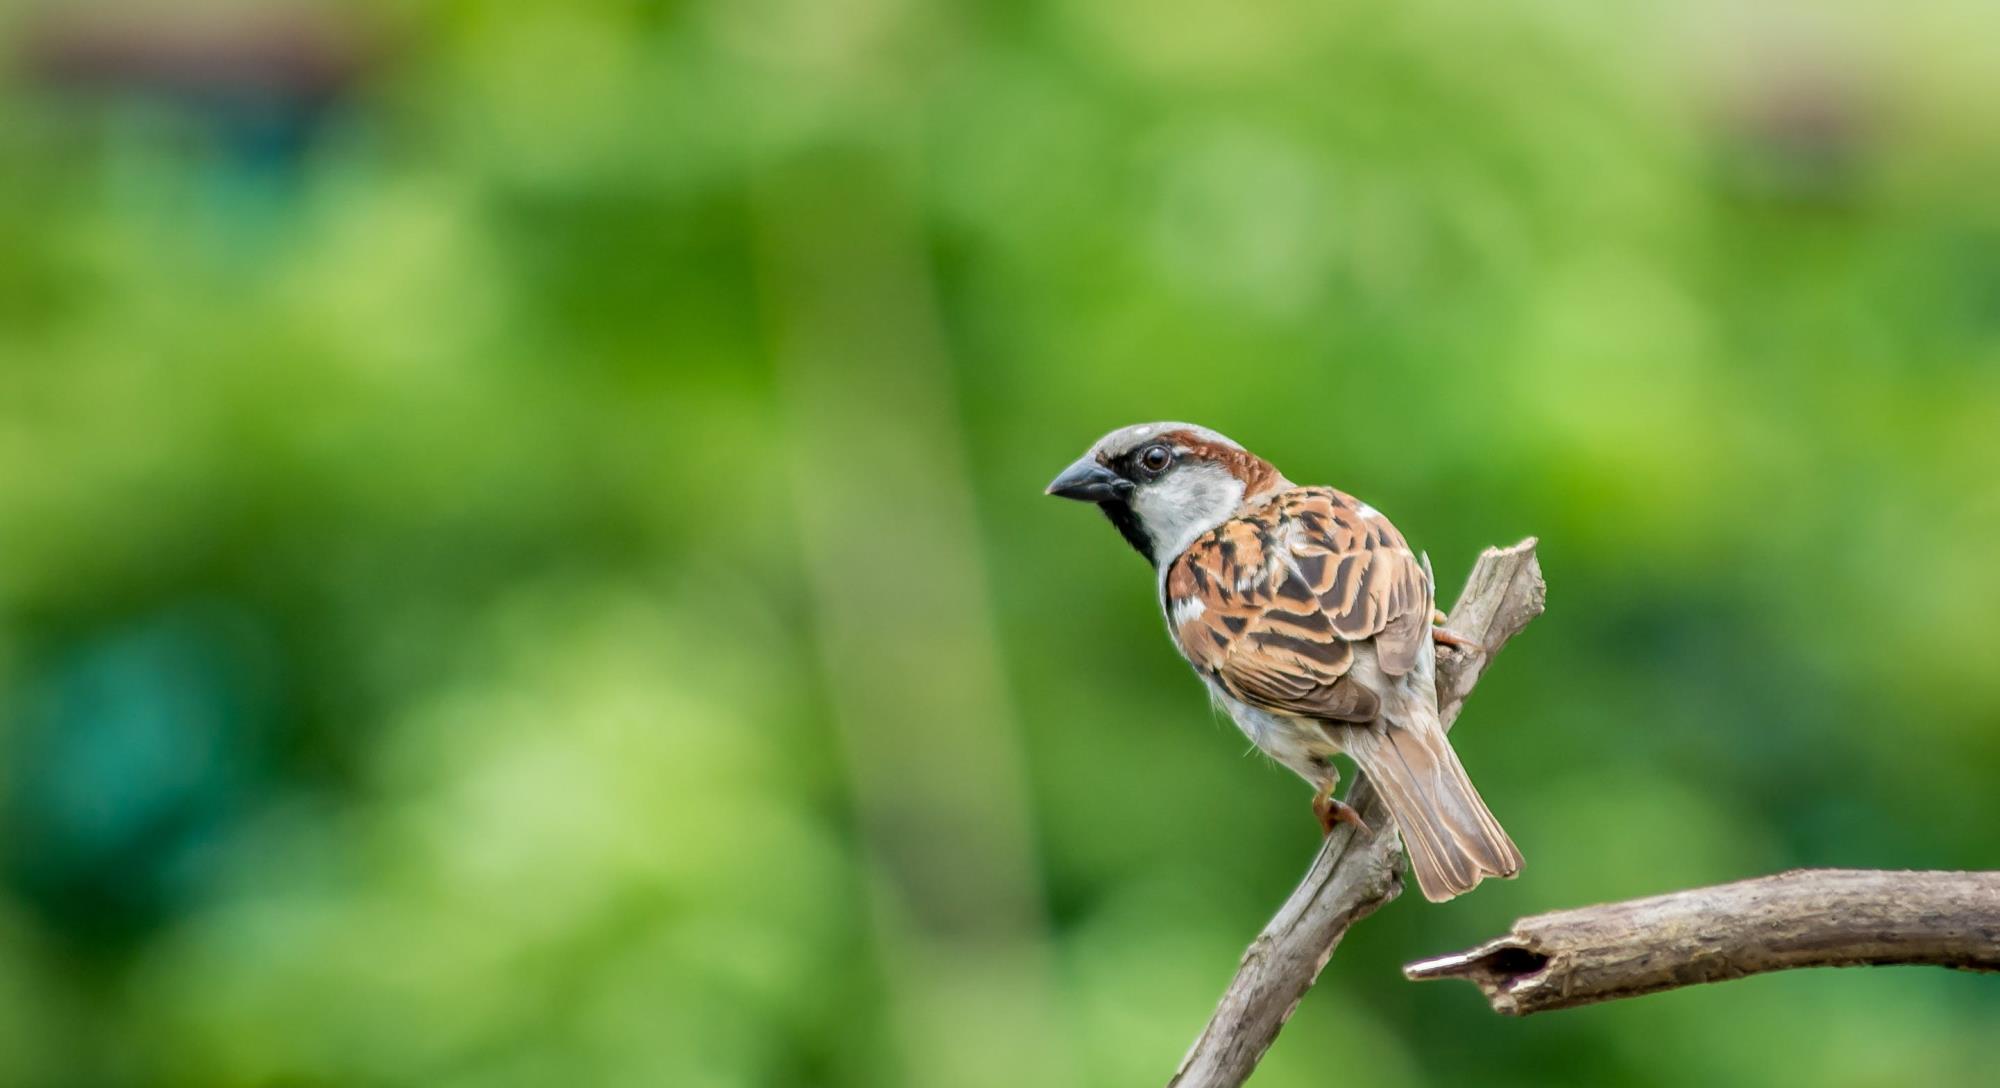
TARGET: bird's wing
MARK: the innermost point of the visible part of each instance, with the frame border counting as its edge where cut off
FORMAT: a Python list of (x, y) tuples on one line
[(1271, 604)]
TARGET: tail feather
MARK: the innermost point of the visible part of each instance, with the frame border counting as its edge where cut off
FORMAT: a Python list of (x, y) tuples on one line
[(1454, 841)]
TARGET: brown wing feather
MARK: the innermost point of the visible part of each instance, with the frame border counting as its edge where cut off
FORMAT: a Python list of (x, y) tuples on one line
[(1271, 603)]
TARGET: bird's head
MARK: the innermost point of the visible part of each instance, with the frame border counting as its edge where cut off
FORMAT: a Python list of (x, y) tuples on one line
[(1164, 484)]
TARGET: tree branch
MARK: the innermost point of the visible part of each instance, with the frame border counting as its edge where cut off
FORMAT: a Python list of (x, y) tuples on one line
[(1804, 918), (1354, 874)]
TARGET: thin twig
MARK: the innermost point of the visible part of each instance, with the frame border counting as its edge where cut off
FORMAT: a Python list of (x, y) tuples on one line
[(1804, 918), (1354, 874)]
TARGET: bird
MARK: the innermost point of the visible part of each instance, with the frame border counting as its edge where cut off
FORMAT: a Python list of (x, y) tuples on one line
[(1311, 621)]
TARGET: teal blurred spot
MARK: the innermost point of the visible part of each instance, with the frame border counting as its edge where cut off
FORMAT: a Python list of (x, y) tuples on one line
[(134, 753)]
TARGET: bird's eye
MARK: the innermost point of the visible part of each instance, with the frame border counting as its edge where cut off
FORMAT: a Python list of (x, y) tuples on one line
[(1155, 459)]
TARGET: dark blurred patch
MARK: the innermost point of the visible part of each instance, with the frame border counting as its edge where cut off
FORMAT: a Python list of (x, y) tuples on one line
[(263, 79), (288, 52), (138, 746), (1797, 130)]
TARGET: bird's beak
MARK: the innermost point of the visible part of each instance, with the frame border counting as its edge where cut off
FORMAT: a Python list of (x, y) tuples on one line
[(1089, 481)]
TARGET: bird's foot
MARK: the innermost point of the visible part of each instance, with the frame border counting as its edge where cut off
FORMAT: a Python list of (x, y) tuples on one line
[(1332, 812), (1445, 638)]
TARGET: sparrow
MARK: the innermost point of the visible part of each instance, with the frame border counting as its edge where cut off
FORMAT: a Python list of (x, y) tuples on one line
[(1311, 621)]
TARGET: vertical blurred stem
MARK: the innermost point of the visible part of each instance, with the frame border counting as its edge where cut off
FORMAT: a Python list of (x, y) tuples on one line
[(905, 629)]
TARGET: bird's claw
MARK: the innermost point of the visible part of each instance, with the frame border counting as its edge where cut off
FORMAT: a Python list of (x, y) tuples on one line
[(1443, 637), (1333, 812)]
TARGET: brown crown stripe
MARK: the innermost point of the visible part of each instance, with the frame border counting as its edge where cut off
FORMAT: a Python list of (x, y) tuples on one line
[(1257, 474)]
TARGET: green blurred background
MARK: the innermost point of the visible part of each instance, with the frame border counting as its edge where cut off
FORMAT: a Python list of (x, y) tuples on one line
[(522, 554)]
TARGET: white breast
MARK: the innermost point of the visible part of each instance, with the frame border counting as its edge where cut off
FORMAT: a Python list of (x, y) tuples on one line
[(1294, 742)]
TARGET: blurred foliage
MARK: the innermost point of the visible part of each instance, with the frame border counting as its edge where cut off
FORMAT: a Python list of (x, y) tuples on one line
[(522, 558)]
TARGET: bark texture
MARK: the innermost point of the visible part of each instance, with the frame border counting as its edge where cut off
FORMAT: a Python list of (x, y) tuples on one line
[(1353, 874), (1804, 918)]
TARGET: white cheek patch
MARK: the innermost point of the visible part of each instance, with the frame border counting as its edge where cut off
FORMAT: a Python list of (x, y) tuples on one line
[(1186, 503)]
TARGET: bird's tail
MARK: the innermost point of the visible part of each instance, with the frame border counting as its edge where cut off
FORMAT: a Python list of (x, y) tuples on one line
[(1454, 841)]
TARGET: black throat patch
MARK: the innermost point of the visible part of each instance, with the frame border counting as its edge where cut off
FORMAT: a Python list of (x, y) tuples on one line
[(1122, 516)]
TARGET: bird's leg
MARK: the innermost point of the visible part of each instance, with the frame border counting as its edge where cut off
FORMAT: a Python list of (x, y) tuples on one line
[(1445, 638), (1332, 811)]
